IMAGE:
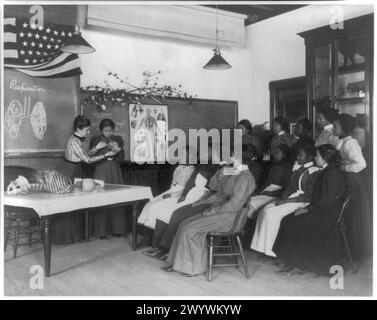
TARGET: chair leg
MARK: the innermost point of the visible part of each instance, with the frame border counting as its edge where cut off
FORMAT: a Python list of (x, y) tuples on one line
[(210, 259), (349, 256), (233, 250), (16, 236), (30, 233), (7, 232), (244, 262)]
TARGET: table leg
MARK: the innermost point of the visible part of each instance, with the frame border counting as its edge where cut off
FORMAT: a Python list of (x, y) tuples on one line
[(86, 215), (47, 245), (134, 224)]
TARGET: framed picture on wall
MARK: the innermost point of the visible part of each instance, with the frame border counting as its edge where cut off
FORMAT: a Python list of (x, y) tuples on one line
[(148, 132)]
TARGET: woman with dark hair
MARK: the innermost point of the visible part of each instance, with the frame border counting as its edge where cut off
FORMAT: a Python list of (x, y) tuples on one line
[(277, 179), (69, 229), (296, 195), (249, 138), (308, 239), (325, 120), (281, 135), (358, 217), (111, 221)]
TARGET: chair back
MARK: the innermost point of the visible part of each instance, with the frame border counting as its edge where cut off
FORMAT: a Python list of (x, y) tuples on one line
[(241, 216)]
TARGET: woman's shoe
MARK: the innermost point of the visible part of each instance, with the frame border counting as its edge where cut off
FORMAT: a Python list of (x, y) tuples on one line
[(264, 257), (167, 269)]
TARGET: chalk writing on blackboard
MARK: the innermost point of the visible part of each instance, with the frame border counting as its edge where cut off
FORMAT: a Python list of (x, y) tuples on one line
[(16, 113)]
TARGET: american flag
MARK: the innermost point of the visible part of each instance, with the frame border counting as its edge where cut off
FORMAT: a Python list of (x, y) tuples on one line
[(35, 50)]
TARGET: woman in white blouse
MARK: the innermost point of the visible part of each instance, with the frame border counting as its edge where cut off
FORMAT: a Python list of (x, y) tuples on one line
[(358, 217)]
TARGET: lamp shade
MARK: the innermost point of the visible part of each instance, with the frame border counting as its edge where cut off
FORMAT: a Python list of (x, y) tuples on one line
[(217, 62), (77, 44)]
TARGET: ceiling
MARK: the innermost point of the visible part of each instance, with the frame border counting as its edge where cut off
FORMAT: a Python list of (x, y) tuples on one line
[(256, 13)]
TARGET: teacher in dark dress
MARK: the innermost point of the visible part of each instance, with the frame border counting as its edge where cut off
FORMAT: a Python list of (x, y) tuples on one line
[(110, 221), (69, 229), (308, 239)]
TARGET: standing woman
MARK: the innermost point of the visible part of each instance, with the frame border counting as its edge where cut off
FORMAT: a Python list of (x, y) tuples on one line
[(69, 229), (359, 219), (111, 221), (249, 138), (325, 119)]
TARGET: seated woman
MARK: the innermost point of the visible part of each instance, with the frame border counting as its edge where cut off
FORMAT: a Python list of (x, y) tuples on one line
[(281, 135), (308, 238), (297, 195), (169, 198), (188, 253), (277, 179), (164, 236), (167, 225)]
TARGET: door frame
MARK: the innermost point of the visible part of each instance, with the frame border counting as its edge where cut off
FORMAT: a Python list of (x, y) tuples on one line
[(290, 83)]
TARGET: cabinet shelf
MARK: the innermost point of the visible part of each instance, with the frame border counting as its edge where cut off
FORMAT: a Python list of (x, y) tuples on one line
[(351, 69)]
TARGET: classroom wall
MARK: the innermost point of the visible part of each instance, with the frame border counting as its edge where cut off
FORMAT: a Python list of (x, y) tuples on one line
[(181, 62), (277, 52)]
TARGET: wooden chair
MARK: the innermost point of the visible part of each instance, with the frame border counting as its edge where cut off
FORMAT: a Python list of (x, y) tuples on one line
[(227, 241), (342, 229), (20, 222)]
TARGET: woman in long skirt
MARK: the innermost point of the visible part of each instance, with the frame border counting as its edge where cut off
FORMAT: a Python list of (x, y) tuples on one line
[(309, 239), (111, 221), (188, 253), (69, 229), (359, 215)]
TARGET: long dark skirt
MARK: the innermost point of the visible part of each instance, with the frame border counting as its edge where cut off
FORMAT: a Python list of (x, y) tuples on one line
[(109, 221), (359, 216), (68, 228), (311, 241), (177, 217)]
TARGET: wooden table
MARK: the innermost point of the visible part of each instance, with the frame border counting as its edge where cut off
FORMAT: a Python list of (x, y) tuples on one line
[(48, 205)]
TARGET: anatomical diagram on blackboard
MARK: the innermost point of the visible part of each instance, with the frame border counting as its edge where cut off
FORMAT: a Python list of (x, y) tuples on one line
[(148, 132), (16, 114)]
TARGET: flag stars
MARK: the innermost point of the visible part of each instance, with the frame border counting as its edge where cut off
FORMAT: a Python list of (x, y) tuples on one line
[(37, 36), (22, 52), (40, 45), (63, 34), (48, 46), (26, 60), (38, 53), (69, 34), (32, 44), (24, 43), (48, 30), (21, 34), (56, 33), (33, 26), (52, 39), (34, 60), (24, 25), (30, 52), (44, 38), (56, 46), (40, 27), (29, 35)]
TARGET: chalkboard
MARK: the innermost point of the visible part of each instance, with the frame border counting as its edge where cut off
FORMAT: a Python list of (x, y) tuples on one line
[(182, 114), (38, 113)]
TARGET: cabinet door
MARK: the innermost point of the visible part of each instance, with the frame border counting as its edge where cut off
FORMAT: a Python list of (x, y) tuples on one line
[(322, 72)]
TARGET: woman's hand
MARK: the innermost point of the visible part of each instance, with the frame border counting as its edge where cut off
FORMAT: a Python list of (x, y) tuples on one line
[(110, 154), (301, 211), (208, 212), (100, 145)]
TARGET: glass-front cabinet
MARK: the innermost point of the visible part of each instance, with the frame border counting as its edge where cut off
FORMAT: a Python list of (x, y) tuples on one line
[(339, 73)]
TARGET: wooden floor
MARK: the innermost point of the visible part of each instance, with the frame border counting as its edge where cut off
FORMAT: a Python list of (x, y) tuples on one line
[(111, 268)]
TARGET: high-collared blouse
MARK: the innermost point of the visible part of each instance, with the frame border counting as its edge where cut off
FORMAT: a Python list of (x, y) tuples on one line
[(75, 152), (282, 138), (351, 154)]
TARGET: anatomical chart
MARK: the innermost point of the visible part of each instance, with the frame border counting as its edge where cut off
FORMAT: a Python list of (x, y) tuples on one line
[(16, 114), (148, 132)]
